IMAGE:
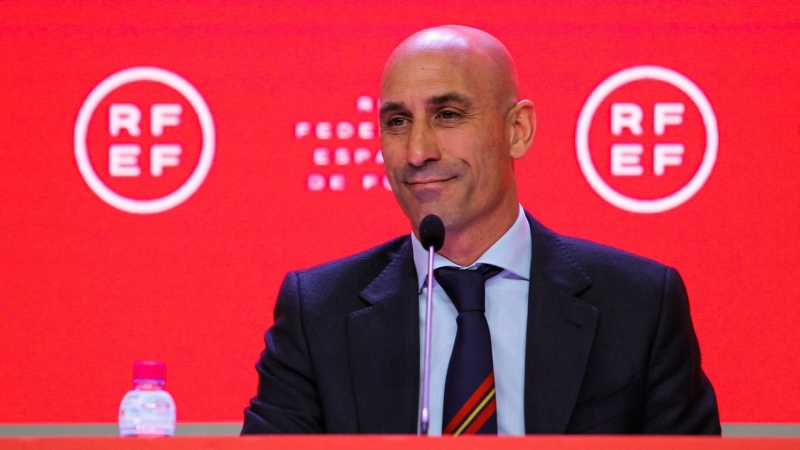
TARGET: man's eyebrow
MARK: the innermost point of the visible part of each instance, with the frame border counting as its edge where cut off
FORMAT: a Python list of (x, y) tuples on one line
[(390, 107), (436, 100), (450, 97)]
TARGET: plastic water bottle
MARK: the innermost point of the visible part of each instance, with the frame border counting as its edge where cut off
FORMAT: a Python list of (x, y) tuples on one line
[(147, 409)]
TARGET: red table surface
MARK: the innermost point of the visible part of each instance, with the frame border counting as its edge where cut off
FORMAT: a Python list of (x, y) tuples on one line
[(405, 443)]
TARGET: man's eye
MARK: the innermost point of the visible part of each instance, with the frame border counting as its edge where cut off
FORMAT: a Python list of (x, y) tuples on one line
[(448, 115), (397, 121)]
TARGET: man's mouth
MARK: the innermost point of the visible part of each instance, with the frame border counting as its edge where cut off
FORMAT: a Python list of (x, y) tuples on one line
[(428, 181)]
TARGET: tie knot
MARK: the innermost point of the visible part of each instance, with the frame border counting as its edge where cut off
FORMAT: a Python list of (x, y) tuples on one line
[(465, 287)]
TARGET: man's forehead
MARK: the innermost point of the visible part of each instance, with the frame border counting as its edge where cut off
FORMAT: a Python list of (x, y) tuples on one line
[(424, 63), (468, 59), (429, 74)]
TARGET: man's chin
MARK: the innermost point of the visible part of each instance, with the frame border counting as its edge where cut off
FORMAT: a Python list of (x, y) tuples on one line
[(420, 203), (423, 194), (442, 213)]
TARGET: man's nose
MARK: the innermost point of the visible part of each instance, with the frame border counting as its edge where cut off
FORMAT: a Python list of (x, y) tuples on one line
[(422, 146)]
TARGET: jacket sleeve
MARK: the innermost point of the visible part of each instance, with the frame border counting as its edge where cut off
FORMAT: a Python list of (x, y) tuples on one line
[(680, 398), (287, 400)]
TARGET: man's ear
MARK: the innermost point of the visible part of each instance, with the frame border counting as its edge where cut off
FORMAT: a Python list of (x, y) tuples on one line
[(523, 126)]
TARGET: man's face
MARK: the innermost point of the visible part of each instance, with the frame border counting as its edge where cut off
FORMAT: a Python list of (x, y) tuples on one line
[(444, 138)]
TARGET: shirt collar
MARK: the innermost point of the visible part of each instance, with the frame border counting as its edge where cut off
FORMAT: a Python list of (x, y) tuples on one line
[(511, 252)]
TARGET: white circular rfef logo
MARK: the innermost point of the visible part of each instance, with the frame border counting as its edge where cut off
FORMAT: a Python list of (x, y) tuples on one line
[(144, 140), (647, 139)]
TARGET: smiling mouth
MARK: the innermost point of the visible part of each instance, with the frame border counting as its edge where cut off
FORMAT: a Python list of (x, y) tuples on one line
[(424, 191), (423, 183)]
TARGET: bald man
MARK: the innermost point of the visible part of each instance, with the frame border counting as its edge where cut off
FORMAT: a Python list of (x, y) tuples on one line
[(584, 338)]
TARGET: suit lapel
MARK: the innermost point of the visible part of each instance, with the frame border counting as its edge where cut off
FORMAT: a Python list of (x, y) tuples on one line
[(559, 335), (383, 349)]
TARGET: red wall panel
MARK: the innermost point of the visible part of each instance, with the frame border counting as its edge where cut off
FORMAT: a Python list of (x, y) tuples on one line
[(88, 288)]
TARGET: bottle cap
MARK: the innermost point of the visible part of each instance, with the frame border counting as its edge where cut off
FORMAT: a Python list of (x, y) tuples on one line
[(149, 370)]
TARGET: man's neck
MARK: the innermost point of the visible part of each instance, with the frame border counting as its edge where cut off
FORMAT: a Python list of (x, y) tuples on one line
[(465, 246)]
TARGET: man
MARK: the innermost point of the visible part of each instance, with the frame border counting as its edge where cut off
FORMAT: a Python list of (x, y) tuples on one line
[(584, 338)]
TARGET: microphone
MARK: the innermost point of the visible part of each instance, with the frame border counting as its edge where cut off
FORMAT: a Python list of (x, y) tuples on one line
[(431, 235), (431, 232)]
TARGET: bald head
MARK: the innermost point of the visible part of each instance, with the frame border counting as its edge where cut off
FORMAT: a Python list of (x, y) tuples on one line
[(475, 52), (451, 127)]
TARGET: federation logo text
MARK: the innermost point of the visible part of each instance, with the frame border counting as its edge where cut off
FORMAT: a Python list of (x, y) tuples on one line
[(144, 140), (647, 139)]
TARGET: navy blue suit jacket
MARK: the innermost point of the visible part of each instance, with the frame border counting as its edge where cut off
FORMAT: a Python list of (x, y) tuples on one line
[(610, 346)]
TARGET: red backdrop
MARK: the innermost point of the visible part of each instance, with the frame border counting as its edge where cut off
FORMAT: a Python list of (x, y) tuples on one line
[(88, 288)]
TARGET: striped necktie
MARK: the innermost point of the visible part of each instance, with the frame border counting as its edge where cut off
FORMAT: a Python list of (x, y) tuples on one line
[(469, 392)]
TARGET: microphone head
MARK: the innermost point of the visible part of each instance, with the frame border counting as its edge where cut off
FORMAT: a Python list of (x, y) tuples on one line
[(431, 232)]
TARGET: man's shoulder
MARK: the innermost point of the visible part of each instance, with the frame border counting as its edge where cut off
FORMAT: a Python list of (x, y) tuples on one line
[(593, 254), (621, 284), (355, 271), (599, 262), (621, 280), (335, 287)]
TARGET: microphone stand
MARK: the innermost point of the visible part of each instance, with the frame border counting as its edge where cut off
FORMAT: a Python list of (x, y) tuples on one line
[(424, 415), (431, 234)]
